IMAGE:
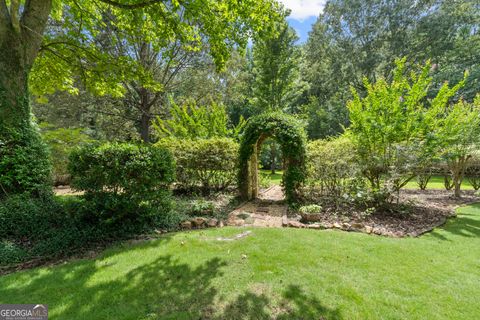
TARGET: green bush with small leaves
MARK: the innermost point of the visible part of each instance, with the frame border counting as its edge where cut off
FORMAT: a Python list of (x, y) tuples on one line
[(24, 163), (124, 181), (331, 167), (203, 164)]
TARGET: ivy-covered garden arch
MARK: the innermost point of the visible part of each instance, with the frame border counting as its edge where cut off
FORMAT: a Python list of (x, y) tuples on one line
[(288, 132)]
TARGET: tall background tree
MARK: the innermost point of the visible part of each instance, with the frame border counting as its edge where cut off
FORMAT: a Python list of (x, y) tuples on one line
[(277, 84), (352, 39)]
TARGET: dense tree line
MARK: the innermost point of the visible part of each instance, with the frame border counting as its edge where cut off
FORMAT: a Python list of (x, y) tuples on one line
[(350, 40)]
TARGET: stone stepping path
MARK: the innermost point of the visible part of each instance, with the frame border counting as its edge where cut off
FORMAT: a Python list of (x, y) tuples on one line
[(267, 211)]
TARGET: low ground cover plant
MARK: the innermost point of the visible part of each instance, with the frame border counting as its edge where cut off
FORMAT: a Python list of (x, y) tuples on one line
[(126, 192)]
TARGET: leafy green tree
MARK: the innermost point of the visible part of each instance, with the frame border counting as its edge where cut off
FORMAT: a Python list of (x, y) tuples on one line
[(353, 39), (457, 130), (276, 69), (276, 60), (391, 127), (55, 60), (197, 122)]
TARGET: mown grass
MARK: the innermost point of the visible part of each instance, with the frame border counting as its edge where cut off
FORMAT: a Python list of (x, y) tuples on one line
[(281, 273), (436, 182), (274, 179)]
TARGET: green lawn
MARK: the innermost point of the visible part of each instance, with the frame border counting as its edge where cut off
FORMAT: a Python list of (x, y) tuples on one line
[(275, 179), (436, 182), (286, 273)]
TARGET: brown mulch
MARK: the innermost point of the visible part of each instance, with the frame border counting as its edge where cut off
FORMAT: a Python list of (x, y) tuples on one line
[(418, 212)]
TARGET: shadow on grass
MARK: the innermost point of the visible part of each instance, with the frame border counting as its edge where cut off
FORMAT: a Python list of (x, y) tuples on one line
[(466, 224), (164, 288)]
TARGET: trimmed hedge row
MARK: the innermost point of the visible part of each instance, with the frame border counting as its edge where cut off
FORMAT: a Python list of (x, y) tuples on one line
[(123, 180), (203, 164)]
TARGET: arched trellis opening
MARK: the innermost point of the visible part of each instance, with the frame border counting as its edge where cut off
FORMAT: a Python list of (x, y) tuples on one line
[(288, 132)]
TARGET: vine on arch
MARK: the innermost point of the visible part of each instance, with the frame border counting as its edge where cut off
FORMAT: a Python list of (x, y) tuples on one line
[(289, 133)]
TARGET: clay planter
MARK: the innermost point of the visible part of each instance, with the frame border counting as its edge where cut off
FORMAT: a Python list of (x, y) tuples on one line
[(311, 217)]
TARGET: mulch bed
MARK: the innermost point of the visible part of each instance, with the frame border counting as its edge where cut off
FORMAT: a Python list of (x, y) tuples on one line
[(418, 212)]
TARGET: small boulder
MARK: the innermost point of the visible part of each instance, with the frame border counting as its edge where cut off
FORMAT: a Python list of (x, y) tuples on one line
[(239, 222), (314, 226), (198, 222), (326, 225), (346, 226), (368, 229), (337, 225), (186, 225), (220, 224), (295, 224), (212, 223), (357, 226)]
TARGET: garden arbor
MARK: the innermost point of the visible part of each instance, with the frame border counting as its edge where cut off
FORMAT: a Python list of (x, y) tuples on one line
[(288, 132)]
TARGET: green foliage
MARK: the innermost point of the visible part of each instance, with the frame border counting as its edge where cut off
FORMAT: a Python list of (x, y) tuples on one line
[(74, 50), (288, 132), (457, 132), (38, 227), (61, 142), (24, 163), (331, 167), (191, 122), (353, 39), (205, 164), (311, 208), (270, 157), (49, 227), (391, 127), (473, 171), (124, 181), (276, 71)]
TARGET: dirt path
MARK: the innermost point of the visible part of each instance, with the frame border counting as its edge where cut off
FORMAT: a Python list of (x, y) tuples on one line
[(267, 211)]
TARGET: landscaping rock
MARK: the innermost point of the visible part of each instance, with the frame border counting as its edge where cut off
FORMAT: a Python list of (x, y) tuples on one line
[(233, 221), (326, 225), (198, 222), (346, 226), (314, 226), (357, 226), (368, 229), (186, 225), (337, 225), (295, 224), (311, 217), (220, 224), (212, 223)]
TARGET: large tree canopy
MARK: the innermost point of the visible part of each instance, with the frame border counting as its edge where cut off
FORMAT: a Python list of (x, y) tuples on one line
[(53, 44)]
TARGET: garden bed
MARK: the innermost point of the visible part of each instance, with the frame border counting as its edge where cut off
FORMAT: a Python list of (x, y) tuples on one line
[(416, 213)]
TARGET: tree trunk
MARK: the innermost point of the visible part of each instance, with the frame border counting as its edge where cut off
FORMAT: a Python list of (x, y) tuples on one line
[(458, 185), (145, 115), (25, 165), (145, 127), (273, 156), (14, 105)]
